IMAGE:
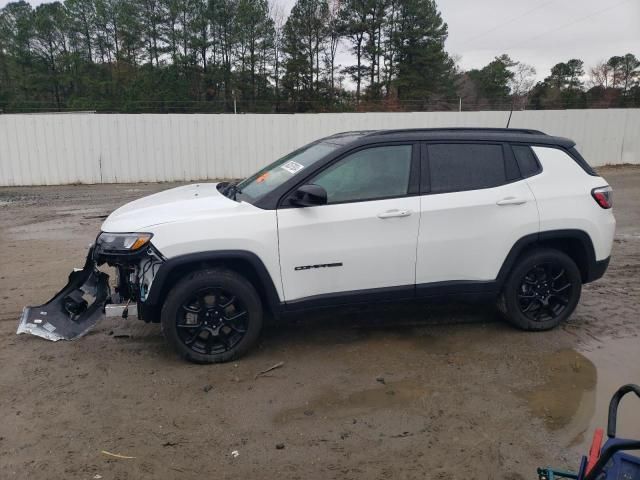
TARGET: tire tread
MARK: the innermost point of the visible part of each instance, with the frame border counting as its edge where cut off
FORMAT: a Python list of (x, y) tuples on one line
[(507, 302), (215, 275)]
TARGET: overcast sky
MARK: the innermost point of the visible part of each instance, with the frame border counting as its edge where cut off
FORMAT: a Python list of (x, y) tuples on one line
[(538, 32), (541, 32)]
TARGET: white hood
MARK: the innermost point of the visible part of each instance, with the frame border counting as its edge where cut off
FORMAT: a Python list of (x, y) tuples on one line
[(168, 206)]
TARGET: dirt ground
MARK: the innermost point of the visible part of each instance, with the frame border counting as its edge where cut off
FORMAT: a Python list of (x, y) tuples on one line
[(419, 391)]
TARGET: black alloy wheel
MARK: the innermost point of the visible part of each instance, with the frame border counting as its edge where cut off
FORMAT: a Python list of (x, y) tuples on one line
[(212, 321), (212, 315), (545, 292), (542, 290)]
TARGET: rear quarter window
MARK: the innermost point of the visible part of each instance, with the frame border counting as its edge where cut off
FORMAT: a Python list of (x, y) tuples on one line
[(546, 154), (527, 161)]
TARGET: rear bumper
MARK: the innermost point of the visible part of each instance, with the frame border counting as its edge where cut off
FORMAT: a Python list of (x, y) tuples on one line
[(597, 270)]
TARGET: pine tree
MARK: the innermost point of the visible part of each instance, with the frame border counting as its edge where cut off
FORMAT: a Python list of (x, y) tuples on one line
[(304, 37), (424, 67)]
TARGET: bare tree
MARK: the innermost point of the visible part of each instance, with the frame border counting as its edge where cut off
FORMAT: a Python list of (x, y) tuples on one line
[(523, 80), (600, 75)]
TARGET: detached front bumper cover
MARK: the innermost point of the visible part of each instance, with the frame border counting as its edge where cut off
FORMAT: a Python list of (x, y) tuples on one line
[(74, 310)]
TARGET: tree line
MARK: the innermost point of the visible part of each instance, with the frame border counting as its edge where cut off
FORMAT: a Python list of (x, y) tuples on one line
[(248, 56), (504, 83)]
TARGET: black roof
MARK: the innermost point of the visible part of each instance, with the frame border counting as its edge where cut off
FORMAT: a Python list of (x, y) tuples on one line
[(533, 137)]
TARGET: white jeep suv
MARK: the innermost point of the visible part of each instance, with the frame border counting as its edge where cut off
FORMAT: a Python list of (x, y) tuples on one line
[(514, 216)]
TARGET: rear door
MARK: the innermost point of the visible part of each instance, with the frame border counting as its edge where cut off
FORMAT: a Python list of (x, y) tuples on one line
[(474, 207), (364, 240)]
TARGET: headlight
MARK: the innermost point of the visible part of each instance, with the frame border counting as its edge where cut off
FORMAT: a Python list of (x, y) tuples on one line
[(122, 242)]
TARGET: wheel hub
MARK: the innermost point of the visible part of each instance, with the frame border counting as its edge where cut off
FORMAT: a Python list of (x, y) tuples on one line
[(213, 317), (212, 321), (544, 292)]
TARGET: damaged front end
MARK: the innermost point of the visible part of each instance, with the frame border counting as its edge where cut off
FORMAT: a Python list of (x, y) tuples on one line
[(72, 311), (81, 304)]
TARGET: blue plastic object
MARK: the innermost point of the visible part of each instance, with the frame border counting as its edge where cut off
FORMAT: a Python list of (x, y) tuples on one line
[(614, 463), (621, 466)]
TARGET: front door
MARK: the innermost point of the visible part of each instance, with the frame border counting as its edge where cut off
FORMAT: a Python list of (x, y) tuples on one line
[(364, 239)]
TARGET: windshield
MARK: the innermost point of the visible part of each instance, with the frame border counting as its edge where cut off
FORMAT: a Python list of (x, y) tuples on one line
[(271, 177)]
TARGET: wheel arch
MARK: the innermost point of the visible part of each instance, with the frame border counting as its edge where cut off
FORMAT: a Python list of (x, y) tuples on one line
[(246, 263), (575, 243)]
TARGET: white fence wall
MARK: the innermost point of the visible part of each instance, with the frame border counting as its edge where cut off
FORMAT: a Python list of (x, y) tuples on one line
[(53, 149)]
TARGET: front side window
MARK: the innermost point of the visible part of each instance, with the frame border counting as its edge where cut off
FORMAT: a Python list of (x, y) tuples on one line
[(373, 173), (274, 175), (458, 167)]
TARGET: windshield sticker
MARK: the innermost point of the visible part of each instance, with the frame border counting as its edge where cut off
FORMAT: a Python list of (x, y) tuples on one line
[(292, 167), (262, 177)]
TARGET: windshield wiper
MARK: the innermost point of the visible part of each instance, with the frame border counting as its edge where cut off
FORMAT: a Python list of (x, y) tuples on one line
[(231, 190)]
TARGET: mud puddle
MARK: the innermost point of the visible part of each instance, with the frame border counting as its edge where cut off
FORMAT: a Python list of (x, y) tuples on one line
[(336, 404), (617, 361), (574, 398)]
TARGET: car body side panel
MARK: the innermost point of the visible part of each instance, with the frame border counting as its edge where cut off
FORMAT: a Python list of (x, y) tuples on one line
[(249, 229), (563, 193), (467, 236), (345, 247)]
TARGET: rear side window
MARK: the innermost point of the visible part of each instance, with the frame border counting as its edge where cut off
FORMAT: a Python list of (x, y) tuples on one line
[(458, 167), (527, 160)]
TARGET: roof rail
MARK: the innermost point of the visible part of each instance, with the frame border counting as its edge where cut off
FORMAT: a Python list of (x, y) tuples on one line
[(526, 131), (351, 133)]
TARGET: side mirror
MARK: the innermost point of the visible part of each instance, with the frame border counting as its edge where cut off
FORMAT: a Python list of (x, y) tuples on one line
[(309, 196)]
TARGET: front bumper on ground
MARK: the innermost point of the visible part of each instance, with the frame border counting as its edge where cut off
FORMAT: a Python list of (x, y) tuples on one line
[(74, 310)]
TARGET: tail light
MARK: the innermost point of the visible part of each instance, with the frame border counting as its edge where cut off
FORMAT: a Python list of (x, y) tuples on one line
[(604, 196)]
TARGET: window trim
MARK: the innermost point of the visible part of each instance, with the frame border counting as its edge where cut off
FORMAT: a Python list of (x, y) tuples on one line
[(573, 152), (413, 187), (425, 186)]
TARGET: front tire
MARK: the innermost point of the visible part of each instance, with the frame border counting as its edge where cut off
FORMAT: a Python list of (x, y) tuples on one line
[(212, 316), (542, 290)]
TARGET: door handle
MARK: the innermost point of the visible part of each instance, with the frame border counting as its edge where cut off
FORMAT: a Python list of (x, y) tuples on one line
[(394, 213), (511, 201)]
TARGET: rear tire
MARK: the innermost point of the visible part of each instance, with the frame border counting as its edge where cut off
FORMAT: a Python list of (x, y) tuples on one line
[(212, 316), (542, 290)]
